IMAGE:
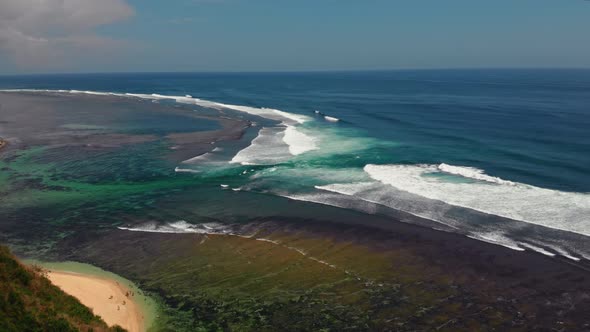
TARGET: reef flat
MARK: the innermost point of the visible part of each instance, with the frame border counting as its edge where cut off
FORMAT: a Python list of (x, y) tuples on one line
[(150, 189), (298, 275)]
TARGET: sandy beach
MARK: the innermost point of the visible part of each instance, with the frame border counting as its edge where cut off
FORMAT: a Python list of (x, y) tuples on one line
[(107, 298)]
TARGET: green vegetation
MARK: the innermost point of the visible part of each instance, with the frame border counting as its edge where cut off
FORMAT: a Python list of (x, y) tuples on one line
[(29, 302), (297, 282)]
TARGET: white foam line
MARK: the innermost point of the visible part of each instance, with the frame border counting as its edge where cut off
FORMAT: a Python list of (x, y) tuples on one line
[(244, 236), (567, 211), (197, 158), (184, 227), (537, 249), (481, 238), (270, 113), (142, 230), (167, 231), (267, 240), (180, 227), (298, 250), (331, 189), (185, 170), (472, 173), (323, 262), (297, 141), (563, 253)]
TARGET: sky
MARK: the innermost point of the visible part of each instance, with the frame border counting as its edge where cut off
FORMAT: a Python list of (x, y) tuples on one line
[(53, 36)]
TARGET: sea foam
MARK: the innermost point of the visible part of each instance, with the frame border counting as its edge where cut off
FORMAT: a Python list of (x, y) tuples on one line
[(180, 226), (550, 208), (269, 113), (472, 173), (266, 149), (409, 188), (297, 141)]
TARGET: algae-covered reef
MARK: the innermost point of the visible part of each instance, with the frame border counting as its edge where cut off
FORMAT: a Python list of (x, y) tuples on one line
[(309, 276)]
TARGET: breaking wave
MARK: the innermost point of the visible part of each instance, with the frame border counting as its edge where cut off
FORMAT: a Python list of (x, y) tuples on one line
[(472, 173), (179, 227), (550, 208), (456, 198), (267, 148), (297, 141)]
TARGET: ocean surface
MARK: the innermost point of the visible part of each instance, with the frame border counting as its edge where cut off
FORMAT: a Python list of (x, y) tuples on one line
[(502, 156)]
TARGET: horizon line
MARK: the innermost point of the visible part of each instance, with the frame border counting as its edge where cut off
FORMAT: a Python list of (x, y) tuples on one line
[(307, 71)]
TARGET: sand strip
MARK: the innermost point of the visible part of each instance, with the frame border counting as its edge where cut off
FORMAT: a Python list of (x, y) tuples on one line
[(107, 298)]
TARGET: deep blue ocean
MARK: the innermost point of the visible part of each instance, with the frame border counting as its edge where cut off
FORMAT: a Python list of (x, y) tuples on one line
[(498, 155)]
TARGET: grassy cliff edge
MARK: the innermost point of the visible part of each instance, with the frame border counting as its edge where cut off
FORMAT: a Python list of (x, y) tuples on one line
[(29, 302)]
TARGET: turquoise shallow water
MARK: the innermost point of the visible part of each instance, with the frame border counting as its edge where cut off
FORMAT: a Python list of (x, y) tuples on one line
[(498, 155)]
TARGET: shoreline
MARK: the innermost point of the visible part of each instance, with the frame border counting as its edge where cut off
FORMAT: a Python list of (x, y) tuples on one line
[(118, 309), (115, 299)]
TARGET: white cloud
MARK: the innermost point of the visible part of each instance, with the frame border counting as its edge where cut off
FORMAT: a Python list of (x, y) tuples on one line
[(46, 34)]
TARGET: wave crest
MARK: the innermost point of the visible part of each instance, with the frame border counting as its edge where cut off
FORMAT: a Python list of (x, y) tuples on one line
[(472, 173), (550, 208)]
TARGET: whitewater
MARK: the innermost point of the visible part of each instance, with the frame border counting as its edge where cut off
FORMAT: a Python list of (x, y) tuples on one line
[(299, 154), (296, 141), (492, 195)]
